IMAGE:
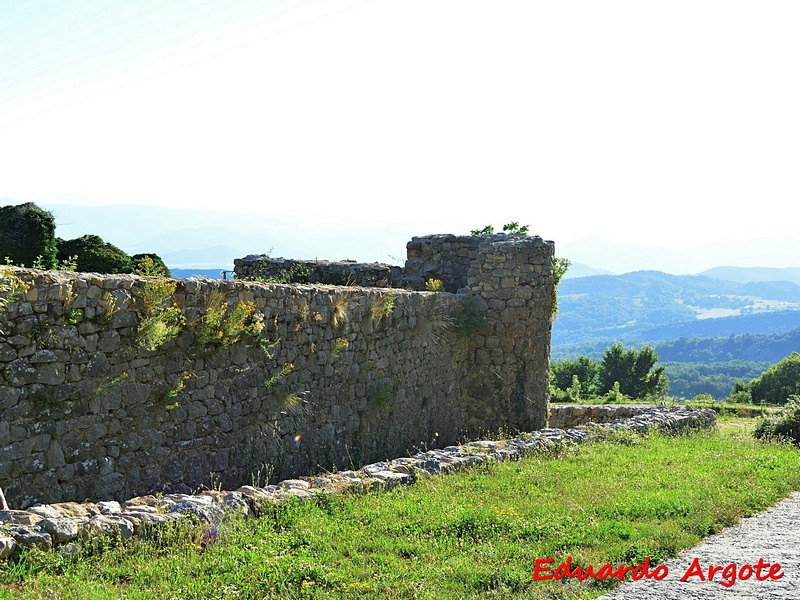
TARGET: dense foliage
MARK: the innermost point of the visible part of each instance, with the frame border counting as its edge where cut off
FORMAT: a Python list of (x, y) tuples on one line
[(631, 374), (783, 426), (149, 264), (95, 255), (27, 235), (27, 238), (717, 379), (778, 383)]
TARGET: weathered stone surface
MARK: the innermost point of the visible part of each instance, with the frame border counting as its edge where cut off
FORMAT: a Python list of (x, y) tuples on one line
[(107, 525), (19, 517), (61, 530), (7, 546), (29, 536)]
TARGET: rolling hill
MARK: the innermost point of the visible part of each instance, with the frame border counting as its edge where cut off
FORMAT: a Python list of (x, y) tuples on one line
[(651, 306)]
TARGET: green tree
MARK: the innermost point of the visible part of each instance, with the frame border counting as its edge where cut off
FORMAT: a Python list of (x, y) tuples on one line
[(778, 382), (27, 235), (635, 371), (155, 266), (95, 255), (563, 374)]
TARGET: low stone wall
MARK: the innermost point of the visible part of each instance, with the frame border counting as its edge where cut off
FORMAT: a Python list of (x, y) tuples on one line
[(565, 416), (46, 526)]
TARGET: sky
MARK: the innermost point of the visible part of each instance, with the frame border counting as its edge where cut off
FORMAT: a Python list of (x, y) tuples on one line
[(633, 134)]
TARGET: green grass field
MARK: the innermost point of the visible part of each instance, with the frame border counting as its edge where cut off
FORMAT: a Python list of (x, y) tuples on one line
[(469, 535)]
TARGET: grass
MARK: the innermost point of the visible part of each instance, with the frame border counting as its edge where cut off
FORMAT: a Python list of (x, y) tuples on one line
[(475, 534)]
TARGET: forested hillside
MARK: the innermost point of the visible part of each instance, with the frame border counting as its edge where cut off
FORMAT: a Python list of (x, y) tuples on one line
[(650, 306)]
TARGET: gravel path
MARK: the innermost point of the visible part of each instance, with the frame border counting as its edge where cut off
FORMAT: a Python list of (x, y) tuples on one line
[(773, 535)]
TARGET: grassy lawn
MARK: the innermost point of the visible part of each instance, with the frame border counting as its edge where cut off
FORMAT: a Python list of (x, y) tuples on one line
[(470, 535)]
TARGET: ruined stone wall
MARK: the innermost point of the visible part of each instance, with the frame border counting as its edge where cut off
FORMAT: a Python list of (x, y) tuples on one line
[(343, 272), (338, 377), (444, 257)]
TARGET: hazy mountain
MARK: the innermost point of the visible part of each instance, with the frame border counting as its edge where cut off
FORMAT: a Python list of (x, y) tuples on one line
[(650, 305), (582, 270), (754, 274), (203, 239)]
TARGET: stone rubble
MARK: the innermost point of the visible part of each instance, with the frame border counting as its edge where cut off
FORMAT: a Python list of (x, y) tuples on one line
[(61, 524)]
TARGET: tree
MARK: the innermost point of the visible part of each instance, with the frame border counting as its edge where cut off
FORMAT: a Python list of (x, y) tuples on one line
[(564, 373), (27, 235), (636, 373), (95, 255), (778, 382), (149, 264)]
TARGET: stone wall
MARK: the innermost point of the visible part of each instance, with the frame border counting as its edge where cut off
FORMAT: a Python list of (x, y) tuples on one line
[(447, 258), (338, 377), (566, 416)]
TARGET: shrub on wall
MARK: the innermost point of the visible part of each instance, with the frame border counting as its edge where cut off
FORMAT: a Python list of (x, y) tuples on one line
[(161, 318), (27, 235), (467, 319)]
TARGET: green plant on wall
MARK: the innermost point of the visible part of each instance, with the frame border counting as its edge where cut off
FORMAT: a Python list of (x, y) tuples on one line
[(512, 228), (340, 309), (434, 285), (222, 325), (11, 288), (277, 377), (161, 319), (71, 314), (382, 306), (467, 319), (169, 397), (560, 266), (108, 304)]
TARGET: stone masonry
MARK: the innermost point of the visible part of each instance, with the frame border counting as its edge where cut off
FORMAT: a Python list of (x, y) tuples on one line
[(340, 376)]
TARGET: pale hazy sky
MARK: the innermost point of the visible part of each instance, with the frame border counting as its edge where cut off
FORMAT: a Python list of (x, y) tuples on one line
[(671, 126)]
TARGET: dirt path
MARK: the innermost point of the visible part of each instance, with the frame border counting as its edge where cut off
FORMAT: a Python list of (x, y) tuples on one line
[(773, 535)]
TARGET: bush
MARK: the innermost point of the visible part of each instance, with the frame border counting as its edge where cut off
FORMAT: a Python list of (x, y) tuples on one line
[(95, 255), (27, 235), (564, 372), (777, 383), (784, 426), (149, 265)]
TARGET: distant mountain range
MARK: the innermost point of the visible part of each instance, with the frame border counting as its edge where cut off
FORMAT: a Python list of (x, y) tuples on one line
[(651, 306), (754, 274)]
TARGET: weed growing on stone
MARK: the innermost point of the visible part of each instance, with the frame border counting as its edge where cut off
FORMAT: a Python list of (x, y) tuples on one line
[(467, 319), (43, 400), (161, 319), (223, 326), (108, 304), (560, 267), (11, 288), (285, 370), (340, 309), (434, 285), (108, 384), (382, 306), (169, 397)]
